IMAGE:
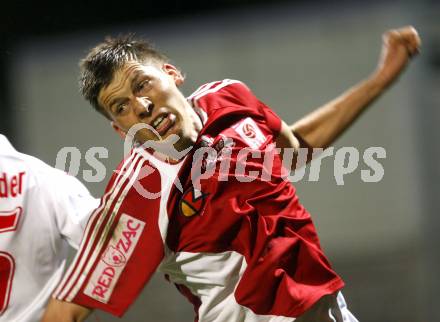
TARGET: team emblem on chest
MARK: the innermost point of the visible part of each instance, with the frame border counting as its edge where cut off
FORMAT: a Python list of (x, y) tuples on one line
[(192, 202)]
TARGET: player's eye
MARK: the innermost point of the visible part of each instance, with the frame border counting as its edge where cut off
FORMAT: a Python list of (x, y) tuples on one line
[(142, 86), (121, 109)]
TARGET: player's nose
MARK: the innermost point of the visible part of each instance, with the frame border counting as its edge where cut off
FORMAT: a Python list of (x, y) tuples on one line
[(143, 107)]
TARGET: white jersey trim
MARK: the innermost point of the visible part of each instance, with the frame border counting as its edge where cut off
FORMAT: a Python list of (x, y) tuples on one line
[(202, 88), (196, 96), (168, 173), (74, 277)]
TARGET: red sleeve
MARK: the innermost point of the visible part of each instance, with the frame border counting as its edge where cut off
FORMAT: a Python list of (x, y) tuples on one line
[(232, 97), (122, 245), (273, 121)]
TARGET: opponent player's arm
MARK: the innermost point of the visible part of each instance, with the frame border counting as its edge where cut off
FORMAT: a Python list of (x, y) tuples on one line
[(322, 127), (59, 311)]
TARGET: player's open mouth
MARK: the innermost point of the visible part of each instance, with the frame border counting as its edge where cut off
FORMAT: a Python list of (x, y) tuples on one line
[(163, 122)]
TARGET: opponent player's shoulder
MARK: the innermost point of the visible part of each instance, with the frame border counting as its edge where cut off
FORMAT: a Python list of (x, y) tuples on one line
[(221, 93), (12, 161), (34, 171), (10, 155)]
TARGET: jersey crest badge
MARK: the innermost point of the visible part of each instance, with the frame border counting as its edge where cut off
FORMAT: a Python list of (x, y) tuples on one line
[(192, 202)]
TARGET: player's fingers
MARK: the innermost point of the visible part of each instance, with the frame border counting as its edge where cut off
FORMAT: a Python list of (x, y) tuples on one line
[(413, 44), (411, 39)]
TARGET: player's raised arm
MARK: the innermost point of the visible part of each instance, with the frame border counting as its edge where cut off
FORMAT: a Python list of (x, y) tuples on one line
[(59, 311), (322, 127)]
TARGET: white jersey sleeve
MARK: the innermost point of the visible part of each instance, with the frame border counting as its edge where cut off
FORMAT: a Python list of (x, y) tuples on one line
[(71, 204)]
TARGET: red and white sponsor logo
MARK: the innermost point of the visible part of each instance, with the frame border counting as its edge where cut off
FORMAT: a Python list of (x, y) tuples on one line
[(114, 257), (250, 133), (113, 261)]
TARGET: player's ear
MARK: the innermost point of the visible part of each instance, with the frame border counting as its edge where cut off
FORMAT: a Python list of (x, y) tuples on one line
[(174, 72), (118, 130)]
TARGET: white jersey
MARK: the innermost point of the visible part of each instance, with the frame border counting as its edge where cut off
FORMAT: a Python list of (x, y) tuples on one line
[(41, 209)]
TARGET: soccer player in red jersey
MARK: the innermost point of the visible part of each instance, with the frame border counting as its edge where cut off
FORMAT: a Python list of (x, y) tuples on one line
[(202, 197)]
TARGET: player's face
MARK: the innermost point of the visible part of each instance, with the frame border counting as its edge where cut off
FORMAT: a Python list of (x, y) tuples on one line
[(148, 94)]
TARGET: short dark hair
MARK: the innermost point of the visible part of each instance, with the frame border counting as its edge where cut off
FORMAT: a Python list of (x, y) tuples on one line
[(99, 66)]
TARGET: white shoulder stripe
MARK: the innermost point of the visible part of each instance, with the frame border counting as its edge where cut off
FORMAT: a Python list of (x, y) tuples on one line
[(100, 245), (66, 282), (216, 88), (91, 233), (202, 88)]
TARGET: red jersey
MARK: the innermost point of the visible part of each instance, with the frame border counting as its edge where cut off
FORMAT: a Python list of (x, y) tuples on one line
[(230, 233)]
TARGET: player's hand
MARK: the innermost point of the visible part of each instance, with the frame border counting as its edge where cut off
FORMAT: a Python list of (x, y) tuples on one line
[(398, 47)]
